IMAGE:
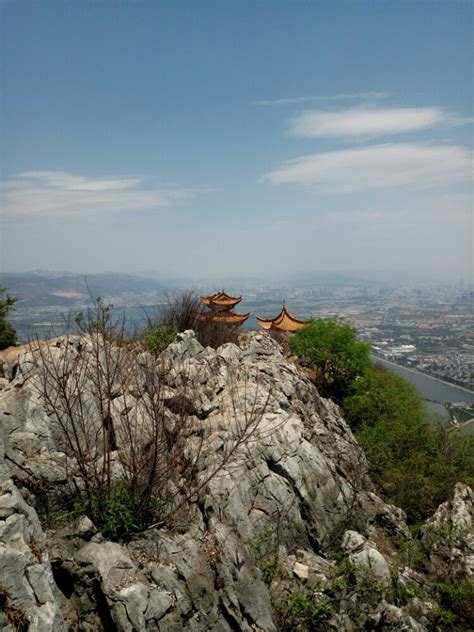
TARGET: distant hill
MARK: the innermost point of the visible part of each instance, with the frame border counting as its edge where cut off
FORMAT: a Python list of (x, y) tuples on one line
[(42, 289)]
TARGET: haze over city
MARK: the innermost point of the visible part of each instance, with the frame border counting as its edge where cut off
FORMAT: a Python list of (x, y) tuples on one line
[(210, 139)]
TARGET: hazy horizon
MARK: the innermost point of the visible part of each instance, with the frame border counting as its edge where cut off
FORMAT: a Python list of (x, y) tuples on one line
[(303, 278), (213, 140)]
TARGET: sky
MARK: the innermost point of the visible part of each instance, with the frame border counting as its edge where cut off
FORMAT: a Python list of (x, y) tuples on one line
[(248, 139)]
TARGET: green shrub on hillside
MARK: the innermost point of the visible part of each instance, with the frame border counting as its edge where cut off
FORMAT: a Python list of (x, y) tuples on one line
[(7, 332), (331, 349), (380, 396), (414, 460)]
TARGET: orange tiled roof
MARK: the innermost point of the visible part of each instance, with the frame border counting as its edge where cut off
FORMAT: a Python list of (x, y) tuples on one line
[(227, 318), (283, 322), (221, 299)]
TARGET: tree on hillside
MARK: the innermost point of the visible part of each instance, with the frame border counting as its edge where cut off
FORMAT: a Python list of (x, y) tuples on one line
[(383, 397), (331, 349), (7, 332), (414, 460)]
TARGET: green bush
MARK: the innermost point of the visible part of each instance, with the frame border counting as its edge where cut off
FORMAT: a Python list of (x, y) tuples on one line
[(414, 460), (120, 516), (264, 550), (158, 337), (456, 600), (305, 609), (331, 349), (382, 397), (7, 332)]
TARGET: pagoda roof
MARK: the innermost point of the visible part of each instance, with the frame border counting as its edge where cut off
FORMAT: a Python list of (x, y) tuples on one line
[(221, 298), (226, 318), (283, 322)]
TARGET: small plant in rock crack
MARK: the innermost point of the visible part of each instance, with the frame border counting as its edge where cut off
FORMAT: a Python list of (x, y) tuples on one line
[(304, 609), (401, 592), (119, 517), (264, 551), (16, 617)]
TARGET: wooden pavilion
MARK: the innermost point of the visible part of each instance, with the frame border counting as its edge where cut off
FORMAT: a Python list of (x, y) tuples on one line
[(283, 323), (221, 309)]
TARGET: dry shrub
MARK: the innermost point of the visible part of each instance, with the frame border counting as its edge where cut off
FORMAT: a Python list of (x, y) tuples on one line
[(131, 448), (181, 313), (283, 340), (16, 617)]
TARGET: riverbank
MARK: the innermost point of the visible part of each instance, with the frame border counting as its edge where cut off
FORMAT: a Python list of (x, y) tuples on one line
[(438, 394), (422, 373)]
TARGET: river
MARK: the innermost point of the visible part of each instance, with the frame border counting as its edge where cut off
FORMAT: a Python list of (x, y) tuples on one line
[(435, 391)]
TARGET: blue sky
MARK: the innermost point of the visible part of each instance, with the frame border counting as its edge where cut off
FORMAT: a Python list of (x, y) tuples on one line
[(237, 138)]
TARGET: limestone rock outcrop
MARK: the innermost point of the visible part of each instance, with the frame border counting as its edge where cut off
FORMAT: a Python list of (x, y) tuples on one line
[(294, 499), (27, 588)]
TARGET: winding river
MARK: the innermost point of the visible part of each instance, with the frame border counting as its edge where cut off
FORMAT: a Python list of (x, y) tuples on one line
[(435, 391)]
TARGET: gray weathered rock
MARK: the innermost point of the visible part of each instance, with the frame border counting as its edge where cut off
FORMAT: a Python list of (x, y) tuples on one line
[(295, 495), (449, 535), (26, 579)]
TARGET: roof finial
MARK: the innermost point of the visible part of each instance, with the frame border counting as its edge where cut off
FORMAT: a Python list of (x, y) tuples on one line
[(284, 303)]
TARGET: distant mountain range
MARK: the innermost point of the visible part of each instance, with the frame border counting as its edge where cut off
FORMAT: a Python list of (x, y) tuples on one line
[(43, 288)]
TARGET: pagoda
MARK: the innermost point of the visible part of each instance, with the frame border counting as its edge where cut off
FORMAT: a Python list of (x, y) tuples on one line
[(283, 323), (221, 309)]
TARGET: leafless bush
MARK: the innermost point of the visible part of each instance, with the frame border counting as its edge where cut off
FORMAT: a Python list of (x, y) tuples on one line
[(186, 312), (181, 311), (132, 446), (283, 340)]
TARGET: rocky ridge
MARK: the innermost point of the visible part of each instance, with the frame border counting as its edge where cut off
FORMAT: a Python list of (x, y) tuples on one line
[(293, 513)]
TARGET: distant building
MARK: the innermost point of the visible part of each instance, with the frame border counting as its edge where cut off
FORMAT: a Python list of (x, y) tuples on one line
[(402, 349)]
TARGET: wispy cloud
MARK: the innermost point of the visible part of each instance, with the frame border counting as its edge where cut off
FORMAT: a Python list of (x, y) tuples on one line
[(364, 122), (354, 96), (377, 167), (449, 207), (58, 193)]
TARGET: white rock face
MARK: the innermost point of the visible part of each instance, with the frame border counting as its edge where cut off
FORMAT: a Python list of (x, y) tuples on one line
[(449, 534), (25, 572)]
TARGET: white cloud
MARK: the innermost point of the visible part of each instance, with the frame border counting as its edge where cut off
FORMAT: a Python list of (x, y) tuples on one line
[(378, 167), (69, 182), (363, 122), (427, 210), (58, 193), (354, 96)]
